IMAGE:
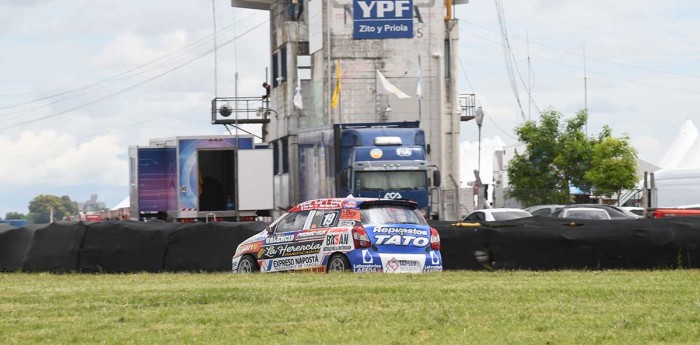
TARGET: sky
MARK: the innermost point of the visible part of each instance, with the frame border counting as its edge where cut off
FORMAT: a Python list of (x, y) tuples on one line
[(82, 80)]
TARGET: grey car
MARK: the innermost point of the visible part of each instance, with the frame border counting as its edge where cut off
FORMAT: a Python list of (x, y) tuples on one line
[(614, 212)]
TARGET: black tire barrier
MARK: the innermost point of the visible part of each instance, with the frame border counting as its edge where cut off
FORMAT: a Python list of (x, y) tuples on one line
[(123, 247), (14, 244), (535, 244), (55, 248), (549, 243), (206, 247)]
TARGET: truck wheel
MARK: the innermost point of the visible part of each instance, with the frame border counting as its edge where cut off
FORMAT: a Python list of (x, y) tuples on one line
[(338, 263), (248, 265)]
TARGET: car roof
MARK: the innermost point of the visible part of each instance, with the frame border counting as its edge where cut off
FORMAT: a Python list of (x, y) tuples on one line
[(347, 202), (497, 210), (593, 209)]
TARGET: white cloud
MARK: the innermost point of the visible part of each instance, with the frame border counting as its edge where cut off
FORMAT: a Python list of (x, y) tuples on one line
[(51, 158)]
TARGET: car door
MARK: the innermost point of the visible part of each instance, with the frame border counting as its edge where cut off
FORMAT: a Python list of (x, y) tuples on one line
[(280, 251)]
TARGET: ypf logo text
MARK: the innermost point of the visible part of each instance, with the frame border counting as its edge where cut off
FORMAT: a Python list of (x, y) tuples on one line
[(379, 19), (376, 9)]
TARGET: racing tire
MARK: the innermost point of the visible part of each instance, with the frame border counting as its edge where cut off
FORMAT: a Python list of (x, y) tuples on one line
[(247, 265), (338, 263)]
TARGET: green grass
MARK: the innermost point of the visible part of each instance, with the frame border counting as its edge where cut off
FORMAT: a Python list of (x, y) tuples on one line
[(567, 307)]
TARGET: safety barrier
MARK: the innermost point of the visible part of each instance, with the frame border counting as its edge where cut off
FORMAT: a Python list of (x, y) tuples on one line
[(535, 244)]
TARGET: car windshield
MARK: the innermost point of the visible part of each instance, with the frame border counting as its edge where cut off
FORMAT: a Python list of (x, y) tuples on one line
[(587, 214), (390, 180), (508, 215), (390, 214)]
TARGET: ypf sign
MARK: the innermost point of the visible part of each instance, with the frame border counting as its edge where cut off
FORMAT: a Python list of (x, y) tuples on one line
[(379, 19)]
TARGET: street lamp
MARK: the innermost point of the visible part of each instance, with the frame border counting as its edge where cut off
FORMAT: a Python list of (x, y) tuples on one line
[(479, 121)]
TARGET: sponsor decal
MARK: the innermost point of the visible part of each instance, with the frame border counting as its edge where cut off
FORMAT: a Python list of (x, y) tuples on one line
[(337, 248), (379, 19), (293, 263), (350, 214), (392, 195), (367, 257), (367, 268), (398, 240), (250, 247), (320, 269), (404, 152), (337, 239), (367, 264), (279, 239), (432, 269), (311, 234), (290, 249), (350, 204), (399, 231), (345, 223), (395, 265), (434, 260), (324, 204), (328, 219), (376, 153)]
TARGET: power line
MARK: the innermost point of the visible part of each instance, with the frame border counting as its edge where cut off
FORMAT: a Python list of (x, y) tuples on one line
[(478, 101), (133, 86), (597, 73), (678, 74), (156, 63), (508, 54)]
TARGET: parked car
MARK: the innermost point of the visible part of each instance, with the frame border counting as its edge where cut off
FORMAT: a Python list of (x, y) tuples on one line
[(613, 211), (682, 211), (496, 214), (583, 213), (543, 210), (636, 210), (351, 234)]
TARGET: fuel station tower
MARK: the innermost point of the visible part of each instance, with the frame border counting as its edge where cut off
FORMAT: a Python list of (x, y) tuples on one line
[(360, 61)]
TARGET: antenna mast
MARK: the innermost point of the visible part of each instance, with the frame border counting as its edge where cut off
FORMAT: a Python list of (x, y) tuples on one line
[(216, 48), (585, 88)]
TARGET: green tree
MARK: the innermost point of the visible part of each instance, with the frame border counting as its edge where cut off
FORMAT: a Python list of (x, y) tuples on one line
[(613, 166), (15, 215), (40, 208), (558, 156)]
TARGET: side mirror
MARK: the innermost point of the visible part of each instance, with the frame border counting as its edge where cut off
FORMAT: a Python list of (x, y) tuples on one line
[(436, 178)]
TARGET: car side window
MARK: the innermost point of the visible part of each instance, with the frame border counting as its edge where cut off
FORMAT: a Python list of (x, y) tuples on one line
[(325, 219), (293, 221), (480, 216), (541, 212)]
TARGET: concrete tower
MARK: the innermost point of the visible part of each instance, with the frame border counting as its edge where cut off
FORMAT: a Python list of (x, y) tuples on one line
[(412, 43)]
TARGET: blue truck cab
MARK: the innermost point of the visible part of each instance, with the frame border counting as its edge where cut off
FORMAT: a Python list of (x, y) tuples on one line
[(371, 160)]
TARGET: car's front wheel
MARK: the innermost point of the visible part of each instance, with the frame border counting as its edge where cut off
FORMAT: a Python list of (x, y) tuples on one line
[(248, 265), (338, 263)]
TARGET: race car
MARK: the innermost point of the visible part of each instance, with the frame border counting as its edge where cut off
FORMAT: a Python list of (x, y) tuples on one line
[(343, 235)]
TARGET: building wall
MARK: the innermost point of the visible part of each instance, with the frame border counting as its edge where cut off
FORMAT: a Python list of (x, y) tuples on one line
[(362, 98)]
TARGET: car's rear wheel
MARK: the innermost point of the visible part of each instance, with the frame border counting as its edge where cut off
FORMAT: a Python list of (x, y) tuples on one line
[(248, 265), (338, 263)]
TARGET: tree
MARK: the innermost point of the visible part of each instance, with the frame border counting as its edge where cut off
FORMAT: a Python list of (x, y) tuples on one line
[(14, 215), (40, 208), (558, 156), (613, 166)]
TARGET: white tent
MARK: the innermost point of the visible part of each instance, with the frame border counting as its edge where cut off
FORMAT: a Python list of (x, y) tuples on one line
[(123, 204), (684, 152)]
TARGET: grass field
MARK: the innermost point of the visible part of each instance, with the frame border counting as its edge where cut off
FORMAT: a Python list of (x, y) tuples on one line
[(567, 307)]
